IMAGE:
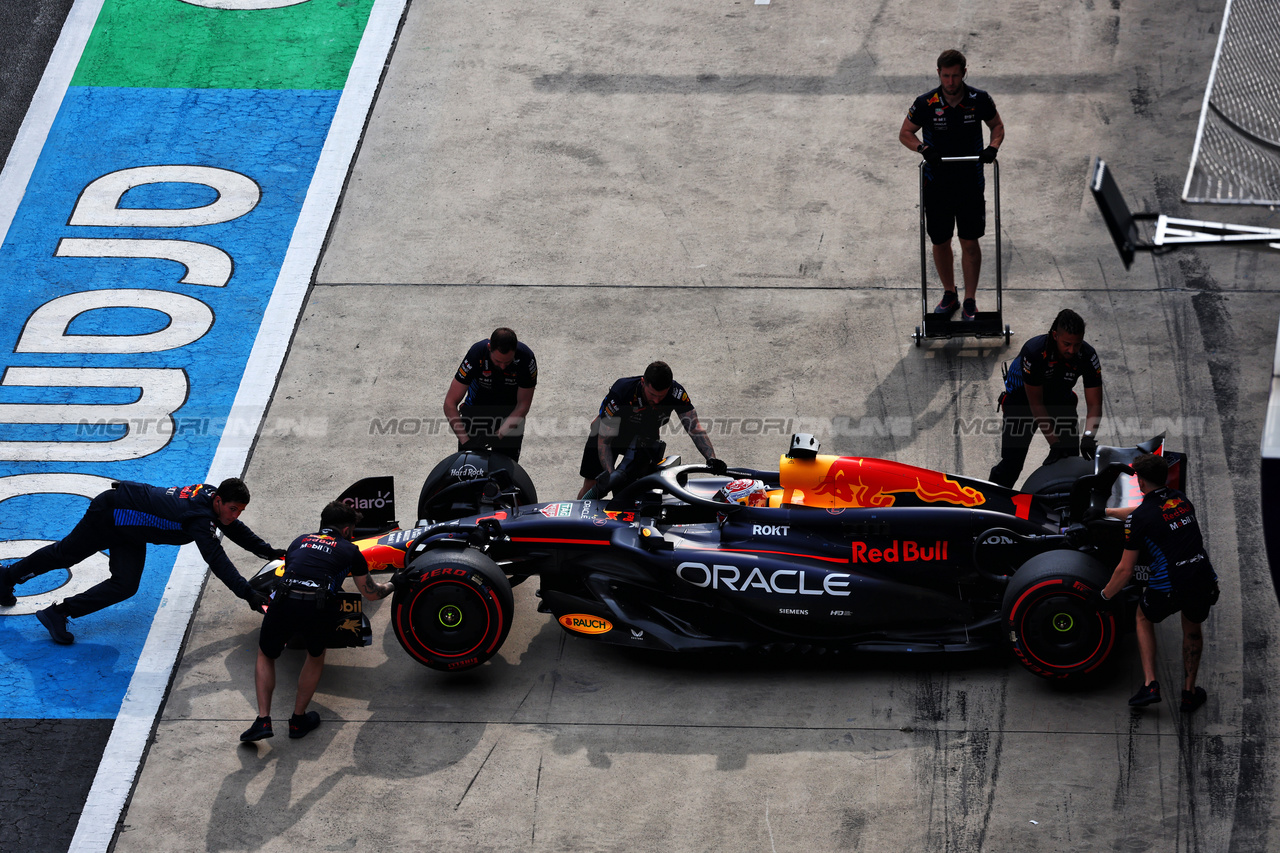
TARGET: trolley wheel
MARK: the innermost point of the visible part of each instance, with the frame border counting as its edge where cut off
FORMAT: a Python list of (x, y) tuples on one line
[(1008, 333), (918, 336)]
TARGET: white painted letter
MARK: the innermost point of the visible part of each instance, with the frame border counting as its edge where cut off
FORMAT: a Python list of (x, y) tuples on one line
[(205, 264), (164, 390), (46, 328), (237, 195)]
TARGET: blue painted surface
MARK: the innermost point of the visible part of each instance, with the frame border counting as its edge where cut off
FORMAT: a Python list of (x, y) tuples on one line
[(273, 137)]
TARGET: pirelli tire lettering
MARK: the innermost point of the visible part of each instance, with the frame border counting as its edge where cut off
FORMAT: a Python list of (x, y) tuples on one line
[(452, 610), (1054, 623)]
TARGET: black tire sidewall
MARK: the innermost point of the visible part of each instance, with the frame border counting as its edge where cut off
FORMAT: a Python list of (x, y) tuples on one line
[(452, 577), (439, 478), (1064, 583), (1058, 477)]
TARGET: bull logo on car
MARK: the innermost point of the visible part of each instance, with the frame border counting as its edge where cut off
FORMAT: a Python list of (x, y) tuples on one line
[(862, 482)]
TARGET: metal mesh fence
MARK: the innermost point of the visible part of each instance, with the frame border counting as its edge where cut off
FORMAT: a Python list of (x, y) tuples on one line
[(1237, 154)]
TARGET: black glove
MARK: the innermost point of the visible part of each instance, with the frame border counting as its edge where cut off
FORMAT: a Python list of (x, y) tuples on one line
[(989, 153), (603, 482), (1093, 513), (1088, 446), (275, 554), (931, 155), (1101, 603), (257, 601), (1058, 452), (717, 466)]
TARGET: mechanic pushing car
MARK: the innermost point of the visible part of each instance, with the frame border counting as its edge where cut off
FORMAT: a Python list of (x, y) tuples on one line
[(121, 521), (951, 117), (315, 566), (491, 393), (636, 407), (1163, 532), (1038, 396)]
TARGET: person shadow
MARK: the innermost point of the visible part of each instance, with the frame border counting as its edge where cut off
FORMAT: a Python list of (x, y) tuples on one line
[(926, 407)]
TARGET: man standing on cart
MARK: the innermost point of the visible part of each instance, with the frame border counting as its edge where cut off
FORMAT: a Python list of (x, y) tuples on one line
[(953, 192)]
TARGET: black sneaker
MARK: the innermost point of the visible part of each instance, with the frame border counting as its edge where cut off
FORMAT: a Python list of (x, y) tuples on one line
[(1192, 699), (970, 310), (1148, 695), (299, 725), (950, 302), (56, 625), (260, 730)]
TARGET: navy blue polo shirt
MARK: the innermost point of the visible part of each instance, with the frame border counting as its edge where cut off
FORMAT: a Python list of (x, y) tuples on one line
[(1040, 364), (953, 131), (625, 402), (322, 561), (490, 386), (1164, 530)]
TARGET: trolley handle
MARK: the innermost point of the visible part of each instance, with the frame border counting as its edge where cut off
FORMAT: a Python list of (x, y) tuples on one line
[(972, 158)]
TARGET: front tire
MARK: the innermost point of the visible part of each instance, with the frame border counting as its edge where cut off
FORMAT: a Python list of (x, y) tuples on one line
[(453, 611), (1055, 627)]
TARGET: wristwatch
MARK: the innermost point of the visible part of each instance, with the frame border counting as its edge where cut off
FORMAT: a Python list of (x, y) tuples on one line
[(920, 148)]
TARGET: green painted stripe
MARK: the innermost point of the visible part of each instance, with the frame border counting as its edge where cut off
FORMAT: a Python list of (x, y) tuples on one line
[(172, 44)]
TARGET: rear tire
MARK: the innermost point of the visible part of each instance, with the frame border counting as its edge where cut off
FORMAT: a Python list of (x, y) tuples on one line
[(454, 610), (1049, 611), (1059, 477), (474, 467)]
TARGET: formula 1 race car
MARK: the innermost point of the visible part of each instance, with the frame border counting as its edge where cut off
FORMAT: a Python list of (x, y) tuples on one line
[(826, 554)]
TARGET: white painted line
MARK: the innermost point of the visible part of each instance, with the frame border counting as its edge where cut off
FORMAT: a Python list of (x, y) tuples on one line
[(121, 760), (1204, 108), (762, 2), (44, 108), (269, 348)]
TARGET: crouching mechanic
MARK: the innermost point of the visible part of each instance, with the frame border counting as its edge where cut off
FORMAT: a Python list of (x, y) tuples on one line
[(122, 520), (1039, 397), (636, 408), (1163, 531), (315, 566)]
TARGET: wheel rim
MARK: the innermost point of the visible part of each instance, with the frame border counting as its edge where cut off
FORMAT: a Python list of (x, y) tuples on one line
[(450, 616), (1062, 632), (449, 619)]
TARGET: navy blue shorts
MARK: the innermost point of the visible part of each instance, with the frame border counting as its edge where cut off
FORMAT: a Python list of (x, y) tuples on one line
[(1194, 603), (950, 207), (288, 619)]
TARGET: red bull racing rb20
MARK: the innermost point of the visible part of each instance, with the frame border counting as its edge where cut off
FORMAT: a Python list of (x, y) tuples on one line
[(825, 555)]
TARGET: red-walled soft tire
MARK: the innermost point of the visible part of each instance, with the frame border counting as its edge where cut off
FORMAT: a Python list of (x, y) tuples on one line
[(453, 611), (1051, 614)]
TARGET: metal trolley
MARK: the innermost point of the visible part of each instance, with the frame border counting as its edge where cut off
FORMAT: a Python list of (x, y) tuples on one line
[(987, 324)]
